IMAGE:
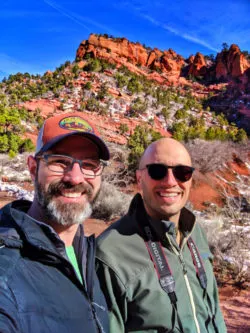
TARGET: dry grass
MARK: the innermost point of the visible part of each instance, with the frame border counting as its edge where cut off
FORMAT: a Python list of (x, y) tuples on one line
[(208, 156), (228, 232), (111, 203)]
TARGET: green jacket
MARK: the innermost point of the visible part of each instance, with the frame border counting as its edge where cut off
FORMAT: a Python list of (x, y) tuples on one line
[(136, 301)]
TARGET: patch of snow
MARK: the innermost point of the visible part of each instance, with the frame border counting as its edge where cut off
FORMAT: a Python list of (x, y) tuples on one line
[(16, 191)]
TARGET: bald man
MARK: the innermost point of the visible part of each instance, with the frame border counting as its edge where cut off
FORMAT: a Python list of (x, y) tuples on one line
[(154, 263)]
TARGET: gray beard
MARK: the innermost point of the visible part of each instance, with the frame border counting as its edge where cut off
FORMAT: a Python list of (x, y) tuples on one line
[(61, 213), (68, 214)]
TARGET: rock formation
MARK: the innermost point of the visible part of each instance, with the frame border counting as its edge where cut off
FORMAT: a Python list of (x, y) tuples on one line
[(231, 63), (120, 50), (138, 58), (197, 65)]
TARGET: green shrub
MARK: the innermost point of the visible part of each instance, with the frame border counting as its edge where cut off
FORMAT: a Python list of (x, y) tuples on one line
[(103, 92), (180, 114), (222, 120), (134, 86), (121, 80), (241, 136), (4, 143), (137, 107), (39, 119), (92, 104), (138, 142), (14, 142), (27, 146), (88, 85), (93, 65), (179, 131), (75, 69), (123, 128), (165, 112), (12, 154)]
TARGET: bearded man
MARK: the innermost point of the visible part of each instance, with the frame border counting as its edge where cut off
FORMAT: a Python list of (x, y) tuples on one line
[(47, 276)]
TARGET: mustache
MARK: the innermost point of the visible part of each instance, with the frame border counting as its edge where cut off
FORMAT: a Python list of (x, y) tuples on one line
[(57, 188)]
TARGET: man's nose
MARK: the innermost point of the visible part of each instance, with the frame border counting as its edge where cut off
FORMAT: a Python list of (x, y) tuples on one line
[(170, 179), (74, 175)]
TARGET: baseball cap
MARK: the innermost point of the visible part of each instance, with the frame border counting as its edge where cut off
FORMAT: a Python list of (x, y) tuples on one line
[(64, 125)]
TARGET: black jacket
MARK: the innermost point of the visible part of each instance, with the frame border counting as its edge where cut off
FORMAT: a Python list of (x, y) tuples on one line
[(39, 289)]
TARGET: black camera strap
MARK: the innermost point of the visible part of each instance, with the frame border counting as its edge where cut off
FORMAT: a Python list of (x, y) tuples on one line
[(200, 271), (164, 273), (165, 276), (201, 274)]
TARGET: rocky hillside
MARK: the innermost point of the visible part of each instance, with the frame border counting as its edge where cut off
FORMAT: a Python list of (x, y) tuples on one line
[(129, 89), (230, 66)]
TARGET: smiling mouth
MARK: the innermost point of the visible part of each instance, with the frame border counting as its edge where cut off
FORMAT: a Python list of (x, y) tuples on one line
[(168, 195), (72, 194), (69, 191)]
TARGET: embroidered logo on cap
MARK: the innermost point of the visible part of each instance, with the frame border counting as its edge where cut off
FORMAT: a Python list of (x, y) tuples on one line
[(76, 124)]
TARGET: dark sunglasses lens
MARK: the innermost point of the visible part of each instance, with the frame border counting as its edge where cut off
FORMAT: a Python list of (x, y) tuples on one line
[(183, 173), (157, 171)]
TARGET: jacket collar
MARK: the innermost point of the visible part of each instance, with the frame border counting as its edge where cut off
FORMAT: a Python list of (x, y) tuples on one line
[(186, 222), (23, 228)]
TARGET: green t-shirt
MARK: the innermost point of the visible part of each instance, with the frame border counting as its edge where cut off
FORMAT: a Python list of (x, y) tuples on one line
[(72, 257)]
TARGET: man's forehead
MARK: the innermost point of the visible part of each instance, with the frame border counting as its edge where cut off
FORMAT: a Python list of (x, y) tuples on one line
[(171, 153)]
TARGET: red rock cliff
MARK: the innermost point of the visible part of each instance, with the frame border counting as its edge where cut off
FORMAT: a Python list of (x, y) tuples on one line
[(228, 64), (121, 50)]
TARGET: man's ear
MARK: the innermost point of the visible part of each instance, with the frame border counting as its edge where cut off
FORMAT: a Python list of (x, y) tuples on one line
[(32, 165), (138, 177)]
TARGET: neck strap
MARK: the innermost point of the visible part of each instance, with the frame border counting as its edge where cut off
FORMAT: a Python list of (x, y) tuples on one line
[(165, 277)]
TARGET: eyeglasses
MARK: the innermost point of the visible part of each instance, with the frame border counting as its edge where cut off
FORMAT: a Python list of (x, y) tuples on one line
[(158, 171), (62, 163)]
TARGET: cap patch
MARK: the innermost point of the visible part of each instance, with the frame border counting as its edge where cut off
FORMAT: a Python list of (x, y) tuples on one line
[(76, 124)]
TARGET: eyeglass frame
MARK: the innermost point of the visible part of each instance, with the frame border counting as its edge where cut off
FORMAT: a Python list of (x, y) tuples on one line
[(45, 157)]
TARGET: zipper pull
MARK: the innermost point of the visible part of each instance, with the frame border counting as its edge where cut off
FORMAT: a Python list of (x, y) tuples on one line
[(182, 263)]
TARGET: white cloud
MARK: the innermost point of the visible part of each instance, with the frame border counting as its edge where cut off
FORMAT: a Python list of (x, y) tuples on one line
[(86, 22), (179, 33), (66, 13), (209, 24)]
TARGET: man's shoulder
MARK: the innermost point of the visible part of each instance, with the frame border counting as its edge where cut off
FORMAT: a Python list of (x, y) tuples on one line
[(199, 228), (9, 262), (199, 236), (117, 232), (11, 242), (7, 211), (122, 248)]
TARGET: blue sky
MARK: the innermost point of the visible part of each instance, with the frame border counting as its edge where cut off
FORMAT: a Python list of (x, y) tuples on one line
[(40, 35)]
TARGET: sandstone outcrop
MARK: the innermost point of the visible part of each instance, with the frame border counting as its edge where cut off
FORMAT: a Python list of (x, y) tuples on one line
[(228, 64), (122, 51), (108, 48), (197, 65), (231, 63)]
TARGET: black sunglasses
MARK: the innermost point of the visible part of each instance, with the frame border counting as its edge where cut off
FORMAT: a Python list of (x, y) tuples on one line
[(158, 171)]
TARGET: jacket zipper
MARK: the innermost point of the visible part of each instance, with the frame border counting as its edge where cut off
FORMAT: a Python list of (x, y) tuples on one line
[(99, 328), (90, 280), (191, 298), (97, 321)]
